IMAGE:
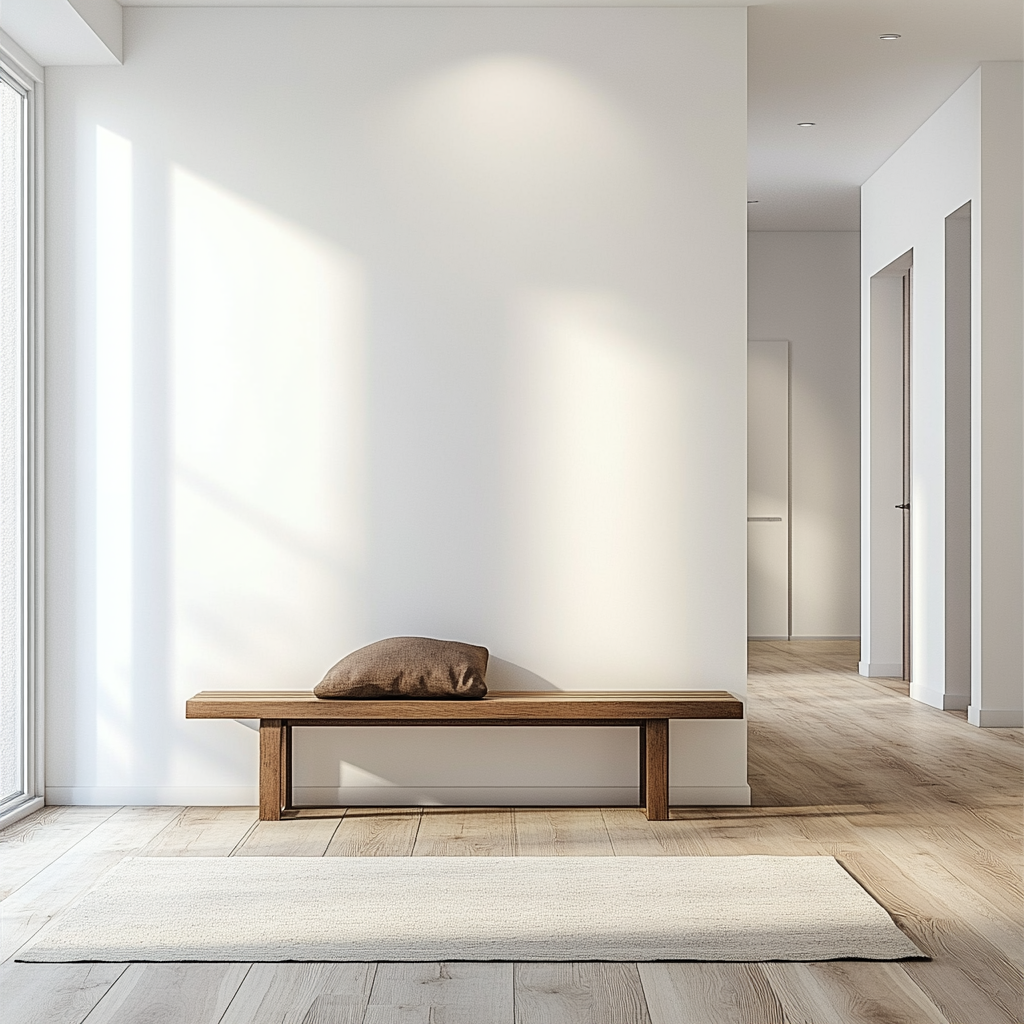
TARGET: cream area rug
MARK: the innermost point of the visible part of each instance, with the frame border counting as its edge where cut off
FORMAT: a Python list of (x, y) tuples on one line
[(473, 908)]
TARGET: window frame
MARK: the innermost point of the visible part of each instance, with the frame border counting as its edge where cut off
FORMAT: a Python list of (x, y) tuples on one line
[(22, 72)]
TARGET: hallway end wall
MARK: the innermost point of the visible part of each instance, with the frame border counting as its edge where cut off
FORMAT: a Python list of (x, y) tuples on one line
[(803, 288)]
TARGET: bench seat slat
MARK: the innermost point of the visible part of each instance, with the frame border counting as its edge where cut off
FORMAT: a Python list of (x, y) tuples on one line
[(626, 706)]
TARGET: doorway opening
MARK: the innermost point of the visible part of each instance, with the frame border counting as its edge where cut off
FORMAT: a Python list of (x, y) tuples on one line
[(769, 492), (904, 504), (958, 315), (887, 482)]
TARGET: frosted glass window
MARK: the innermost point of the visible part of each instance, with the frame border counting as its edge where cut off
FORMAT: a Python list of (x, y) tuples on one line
[(12, 334)]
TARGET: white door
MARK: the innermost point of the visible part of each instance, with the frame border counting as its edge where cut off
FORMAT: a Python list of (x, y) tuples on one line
[(768, 489)]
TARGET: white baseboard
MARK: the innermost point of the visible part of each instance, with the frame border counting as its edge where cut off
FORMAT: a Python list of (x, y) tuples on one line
[(709, 796), (835, 636), (396, 796), (808, 637), (515, 796), (938, 699), (463, 796), (996, 718), (887, 669), (154, 796)]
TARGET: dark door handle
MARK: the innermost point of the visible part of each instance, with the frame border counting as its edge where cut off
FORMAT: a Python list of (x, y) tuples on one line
[(907, 506)]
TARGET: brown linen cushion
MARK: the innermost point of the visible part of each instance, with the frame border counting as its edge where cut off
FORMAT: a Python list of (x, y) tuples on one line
[(408, 667)]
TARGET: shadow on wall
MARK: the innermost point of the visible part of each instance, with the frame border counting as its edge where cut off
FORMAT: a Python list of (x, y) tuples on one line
[(504, 675)]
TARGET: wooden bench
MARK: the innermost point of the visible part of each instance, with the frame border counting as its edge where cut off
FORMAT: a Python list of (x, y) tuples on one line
[(281, 711)]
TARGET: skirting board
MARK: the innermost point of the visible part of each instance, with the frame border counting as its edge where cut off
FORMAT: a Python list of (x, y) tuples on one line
[(515, 796), (996, 718), (835, 636), (395, 796), (808, 637), (938, 699), (888, 669), (154, 796)]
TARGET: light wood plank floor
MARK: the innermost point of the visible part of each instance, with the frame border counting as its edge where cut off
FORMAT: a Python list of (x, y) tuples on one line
[(922, 808)]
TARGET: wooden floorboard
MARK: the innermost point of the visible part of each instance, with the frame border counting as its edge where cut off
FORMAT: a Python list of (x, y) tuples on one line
[(850, 993), (376, 832), (633, 835), (579, 993), (29, 845), (964, 998), (306, 993), (300, 837), (170, 994), (697, 993), (448, 993), (203, 832), (465, 832), (560, 832), (54, 993), (921, 808)]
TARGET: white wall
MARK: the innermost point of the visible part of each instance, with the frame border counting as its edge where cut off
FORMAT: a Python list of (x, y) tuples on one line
[(371, 322), (803, 286), (968, 151)]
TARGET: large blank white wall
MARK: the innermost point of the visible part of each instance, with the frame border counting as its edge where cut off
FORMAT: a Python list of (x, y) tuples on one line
[(968, 151), (803, 288), (373, 322)]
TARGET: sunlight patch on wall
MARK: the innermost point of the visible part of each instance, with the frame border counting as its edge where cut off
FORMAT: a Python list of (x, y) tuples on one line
[(353, 775), (596, 513), (114, 426), (509, 136), (268, 378)]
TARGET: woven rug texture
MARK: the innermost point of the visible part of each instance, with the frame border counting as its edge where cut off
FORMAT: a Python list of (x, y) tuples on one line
[(473, 908)]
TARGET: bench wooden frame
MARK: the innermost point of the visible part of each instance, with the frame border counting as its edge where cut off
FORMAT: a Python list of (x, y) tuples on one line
[(280, 712)]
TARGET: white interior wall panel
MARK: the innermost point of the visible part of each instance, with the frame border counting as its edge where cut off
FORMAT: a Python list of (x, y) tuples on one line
[(804, 287), (437, 321)]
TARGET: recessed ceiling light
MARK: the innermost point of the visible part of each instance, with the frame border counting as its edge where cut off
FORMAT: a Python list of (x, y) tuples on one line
[(890, 36), (807, 124)]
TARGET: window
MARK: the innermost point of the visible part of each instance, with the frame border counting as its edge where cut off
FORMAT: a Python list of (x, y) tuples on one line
[(19, 779)]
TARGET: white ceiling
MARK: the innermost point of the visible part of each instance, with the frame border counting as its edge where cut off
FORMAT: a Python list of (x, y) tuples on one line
[(64, 31), (821, 61)]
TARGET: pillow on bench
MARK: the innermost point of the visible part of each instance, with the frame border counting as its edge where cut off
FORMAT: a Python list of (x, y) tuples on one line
[(408, 667)]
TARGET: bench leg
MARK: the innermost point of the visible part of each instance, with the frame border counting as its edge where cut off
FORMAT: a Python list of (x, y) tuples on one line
[(643, 764), (286, 767), (654, 768), (272, 775)]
